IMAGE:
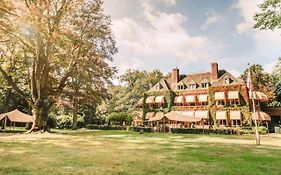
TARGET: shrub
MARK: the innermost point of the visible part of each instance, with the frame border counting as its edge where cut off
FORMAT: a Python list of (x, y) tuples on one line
[(64, 121), (106, 127), (120, 117), (139, 128)]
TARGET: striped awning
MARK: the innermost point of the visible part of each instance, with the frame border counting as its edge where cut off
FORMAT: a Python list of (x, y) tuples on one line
[(188, 113), (235, 115), (259, 96), (202, 114), (262, 116), (190, 99), (219, 95), (179, 99), (232, 95), (149, 115), (181, 117), (203, 98), (160, 99), (150, 100), (158, 116), (221, 115)]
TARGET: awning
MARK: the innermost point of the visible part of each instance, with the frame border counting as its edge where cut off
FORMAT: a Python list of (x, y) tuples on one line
[(188, 113), (179, 99), (219, 95), (181, 117), (150, 100), (232, 95), (221, 115), (235, 115), (259, 96), (158, 116), (141, 102), (203, 98), (190, 99), (202, 114), (262, 116), (18, 116), (149, 115), (160, 99)]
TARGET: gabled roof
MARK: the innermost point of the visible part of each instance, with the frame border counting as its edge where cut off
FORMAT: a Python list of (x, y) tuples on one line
[(220, 81), (163, 84), (197, 78)]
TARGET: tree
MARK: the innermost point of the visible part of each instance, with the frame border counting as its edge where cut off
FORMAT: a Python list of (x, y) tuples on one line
[(124, 97), (53, 38), (261, 81), (270, 15), (277, 83)]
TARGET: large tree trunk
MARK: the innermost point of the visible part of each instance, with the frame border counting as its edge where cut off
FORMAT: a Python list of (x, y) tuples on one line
[(74, 123)]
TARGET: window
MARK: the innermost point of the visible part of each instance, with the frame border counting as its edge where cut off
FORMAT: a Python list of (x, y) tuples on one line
[(257, 103), (220, 102), (204, 85), (234, 102), (192, 86), (236, 123), (222, 122), (181, 87), (158, 87), (226, 81)]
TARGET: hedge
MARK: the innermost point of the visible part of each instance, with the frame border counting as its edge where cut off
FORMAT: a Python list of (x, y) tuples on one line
[(106, 127), (227, 131)]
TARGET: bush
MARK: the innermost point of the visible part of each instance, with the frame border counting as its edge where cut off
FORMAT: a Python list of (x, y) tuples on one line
[(120, 117), (139, 128), (106, 127), (64, 121)]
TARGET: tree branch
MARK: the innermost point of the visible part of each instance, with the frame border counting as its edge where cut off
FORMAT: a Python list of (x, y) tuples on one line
[(13, 84)]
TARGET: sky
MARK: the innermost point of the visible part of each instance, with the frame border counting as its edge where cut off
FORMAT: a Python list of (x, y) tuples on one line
[(190, 34)]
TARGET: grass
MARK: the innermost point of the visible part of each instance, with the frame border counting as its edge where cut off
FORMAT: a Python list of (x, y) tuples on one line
[(122, 152)]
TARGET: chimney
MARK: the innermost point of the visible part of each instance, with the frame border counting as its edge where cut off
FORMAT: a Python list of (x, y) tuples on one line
[(214, 72), (175, 76)]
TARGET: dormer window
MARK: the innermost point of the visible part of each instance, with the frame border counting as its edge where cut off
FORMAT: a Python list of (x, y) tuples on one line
[(181, 87), (192, 86), (158, 87), (227, 81), (205, 85)]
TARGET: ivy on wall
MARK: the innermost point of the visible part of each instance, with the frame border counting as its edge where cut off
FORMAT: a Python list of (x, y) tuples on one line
[(244, 105)]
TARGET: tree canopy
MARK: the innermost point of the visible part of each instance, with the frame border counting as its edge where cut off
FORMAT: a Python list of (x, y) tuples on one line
[(261, 80), (47, 42), (270, 15), (124, 97)]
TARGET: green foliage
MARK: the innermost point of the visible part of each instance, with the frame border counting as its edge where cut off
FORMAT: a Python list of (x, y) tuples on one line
[(227, 131), (106, 127), (277, 84), (64, 121), (124, 97), (270, 15), (55, 48), (261, 80), (120, 117)]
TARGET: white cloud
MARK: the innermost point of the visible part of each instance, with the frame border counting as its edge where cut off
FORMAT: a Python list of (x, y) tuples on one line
[(266, 42), (269, 66), (168, 2), (247, 9), (161, 34), (234, 72), (212, 18)]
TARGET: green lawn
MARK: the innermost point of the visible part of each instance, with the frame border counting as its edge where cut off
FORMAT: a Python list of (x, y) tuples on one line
[(122, 152)]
